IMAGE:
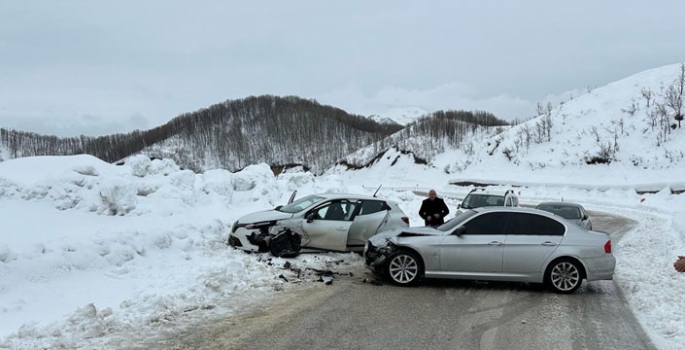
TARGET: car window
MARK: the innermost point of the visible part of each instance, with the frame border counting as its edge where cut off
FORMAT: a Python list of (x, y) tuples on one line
[(335, 211), (487, 224), (456, 221), (565, 211), (535, 225), (300, 204), (371, 207)]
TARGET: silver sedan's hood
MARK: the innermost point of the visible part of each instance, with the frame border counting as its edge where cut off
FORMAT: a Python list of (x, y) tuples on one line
[(266, 215), (381, 238)]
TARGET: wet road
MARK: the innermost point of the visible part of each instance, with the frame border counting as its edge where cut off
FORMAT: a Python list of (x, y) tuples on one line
[(351, 314)]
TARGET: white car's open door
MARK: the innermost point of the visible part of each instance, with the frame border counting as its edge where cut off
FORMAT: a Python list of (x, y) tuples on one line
[(363, 227)]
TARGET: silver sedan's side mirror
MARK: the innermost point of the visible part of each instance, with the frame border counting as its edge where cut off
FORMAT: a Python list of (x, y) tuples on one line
[(459, 231), (458, 205)]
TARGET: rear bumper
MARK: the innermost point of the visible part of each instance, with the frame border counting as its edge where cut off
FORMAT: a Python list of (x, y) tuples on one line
[(600, 268)]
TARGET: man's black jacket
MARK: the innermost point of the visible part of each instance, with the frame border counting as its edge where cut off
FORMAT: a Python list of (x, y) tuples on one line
[(430, 207)]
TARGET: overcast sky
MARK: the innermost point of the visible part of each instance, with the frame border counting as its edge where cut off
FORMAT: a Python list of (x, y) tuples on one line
[(98, 67)]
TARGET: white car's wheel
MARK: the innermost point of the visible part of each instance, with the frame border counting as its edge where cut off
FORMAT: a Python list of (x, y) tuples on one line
[(564, 276), (404, 268)]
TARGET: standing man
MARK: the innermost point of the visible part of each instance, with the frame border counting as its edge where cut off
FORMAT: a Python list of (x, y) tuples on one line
[(433, 210)]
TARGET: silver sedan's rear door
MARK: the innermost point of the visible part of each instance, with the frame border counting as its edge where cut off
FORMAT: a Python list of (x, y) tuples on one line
[(531, 239)]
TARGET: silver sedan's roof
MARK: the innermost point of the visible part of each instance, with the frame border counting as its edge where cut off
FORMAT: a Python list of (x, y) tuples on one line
[(562, 204), (515, 210)]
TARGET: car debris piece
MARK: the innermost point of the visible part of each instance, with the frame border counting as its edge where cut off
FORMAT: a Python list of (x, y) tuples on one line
[(327, 279), (285, 244)]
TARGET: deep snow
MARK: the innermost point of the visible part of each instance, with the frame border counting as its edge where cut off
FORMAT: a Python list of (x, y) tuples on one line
[(91, 252)]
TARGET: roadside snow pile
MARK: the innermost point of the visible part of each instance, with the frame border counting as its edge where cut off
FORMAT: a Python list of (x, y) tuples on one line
[(89, 249)]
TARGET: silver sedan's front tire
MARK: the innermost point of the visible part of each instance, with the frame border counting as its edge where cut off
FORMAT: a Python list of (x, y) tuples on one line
[(404, 268), (564, 276)]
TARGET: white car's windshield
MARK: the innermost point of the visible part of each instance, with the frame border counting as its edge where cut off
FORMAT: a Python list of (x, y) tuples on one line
[(482, 200), (300, 204)]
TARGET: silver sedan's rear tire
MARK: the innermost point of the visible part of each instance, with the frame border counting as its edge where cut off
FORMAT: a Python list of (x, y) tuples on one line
[(404, 268), (564, 276)]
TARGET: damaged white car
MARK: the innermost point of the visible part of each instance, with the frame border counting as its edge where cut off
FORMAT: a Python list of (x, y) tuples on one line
[(497, 244), (321, 222)]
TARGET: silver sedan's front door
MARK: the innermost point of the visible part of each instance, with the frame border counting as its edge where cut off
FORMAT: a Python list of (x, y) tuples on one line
[(472, 253), (478, 248)]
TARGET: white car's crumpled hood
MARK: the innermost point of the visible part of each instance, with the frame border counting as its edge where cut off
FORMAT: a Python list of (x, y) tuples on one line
[(381, 239), (266, 215)]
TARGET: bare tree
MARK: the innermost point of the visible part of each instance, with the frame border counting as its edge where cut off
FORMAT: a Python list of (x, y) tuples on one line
[(674, 95)]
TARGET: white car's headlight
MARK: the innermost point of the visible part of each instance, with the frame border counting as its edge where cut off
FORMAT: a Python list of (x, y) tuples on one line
[(257, 224)]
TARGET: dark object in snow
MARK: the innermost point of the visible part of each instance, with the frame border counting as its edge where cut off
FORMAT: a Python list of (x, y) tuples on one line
[(285, 244), (283, 278), (286, 265), (375, 282)]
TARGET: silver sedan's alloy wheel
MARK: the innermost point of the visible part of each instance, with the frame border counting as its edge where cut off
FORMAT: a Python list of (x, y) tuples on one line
[(403, 269), (565, 277)]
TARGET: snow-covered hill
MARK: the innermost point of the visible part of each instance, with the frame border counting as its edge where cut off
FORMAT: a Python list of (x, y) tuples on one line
[(399, 115), (618, 133)]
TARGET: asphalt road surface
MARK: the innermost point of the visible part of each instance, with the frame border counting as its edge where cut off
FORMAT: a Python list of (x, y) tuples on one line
[(442, 314)]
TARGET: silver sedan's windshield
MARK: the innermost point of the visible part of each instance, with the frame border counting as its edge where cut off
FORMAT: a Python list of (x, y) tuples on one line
[(300, 204), (454, 223)]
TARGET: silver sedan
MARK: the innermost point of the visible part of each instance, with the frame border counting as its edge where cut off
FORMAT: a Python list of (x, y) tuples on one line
[(569, 211), (498, 244)]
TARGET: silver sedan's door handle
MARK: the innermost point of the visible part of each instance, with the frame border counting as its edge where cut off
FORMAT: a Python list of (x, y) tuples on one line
[(495, 243), (548, 244), (341, 229)]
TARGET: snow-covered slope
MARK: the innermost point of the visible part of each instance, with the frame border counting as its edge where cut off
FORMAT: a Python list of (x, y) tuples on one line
[(617, 127), (399, 115)]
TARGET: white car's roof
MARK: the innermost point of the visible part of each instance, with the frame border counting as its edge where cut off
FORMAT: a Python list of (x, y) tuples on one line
[(495, 191), (347, 196), (562, 204)]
